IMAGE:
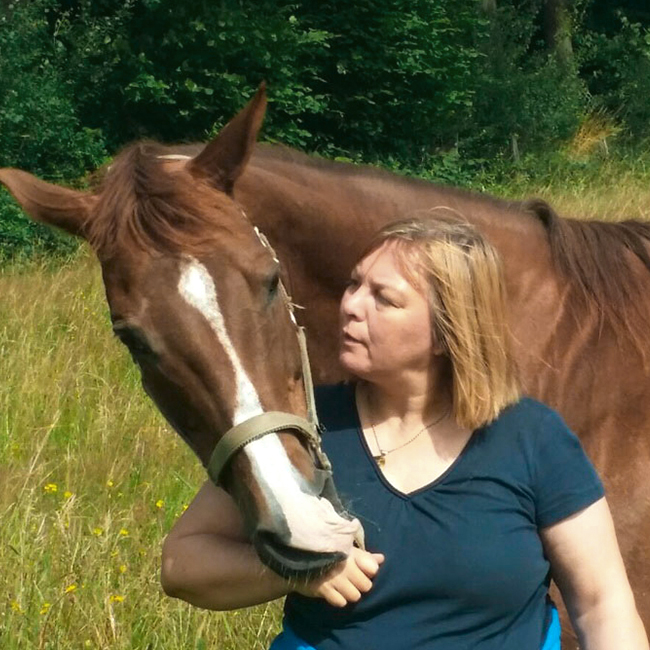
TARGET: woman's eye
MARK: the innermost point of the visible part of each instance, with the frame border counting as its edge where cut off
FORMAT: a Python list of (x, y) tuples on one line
[(384, 301)]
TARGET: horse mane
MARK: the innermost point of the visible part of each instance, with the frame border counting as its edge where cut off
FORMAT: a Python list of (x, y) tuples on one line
[(595, 256), (142, 203)]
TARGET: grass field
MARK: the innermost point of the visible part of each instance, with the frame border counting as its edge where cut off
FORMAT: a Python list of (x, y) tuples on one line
[(92, 478)]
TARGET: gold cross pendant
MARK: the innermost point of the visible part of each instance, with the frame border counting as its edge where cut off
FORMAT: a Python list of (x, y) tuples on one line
[(380, 459)]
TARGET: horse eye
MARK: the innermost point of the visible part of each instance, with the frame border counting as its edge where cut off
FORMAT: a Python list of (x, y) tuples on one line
[(272, 285), (134, 339)]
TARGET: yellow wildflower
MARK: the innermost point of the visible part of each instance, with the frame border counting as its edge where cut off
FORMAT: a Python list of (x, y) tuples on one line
[(71, 589), (98, 531), (109, 483), (45, 608), (124, 532), (67, 494), (122, 568), (51, 488), (160, 503), (115, 598), (15, 607)]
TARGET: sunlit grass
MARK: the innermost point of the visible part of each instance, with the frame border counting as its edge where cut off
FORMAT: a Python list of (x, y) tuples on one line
[(92, 478)]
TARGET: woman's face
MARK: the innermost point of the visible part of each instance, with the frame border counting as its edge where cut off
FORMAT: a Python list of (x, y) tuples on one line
[(385, 320)]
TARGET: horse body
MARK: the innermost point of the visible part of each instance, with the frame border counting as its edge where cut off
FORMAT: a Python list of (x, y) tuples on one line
[(577, 294), (572, 354)]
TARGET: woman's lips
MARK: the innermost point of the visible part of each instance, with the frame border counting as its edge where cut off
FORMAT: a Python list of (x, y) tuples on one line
[(347, 338)]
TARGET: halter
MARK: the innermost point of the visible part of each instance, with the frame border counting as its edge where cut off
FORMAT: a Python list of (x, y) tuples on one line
[(238, 436), (273, 421)]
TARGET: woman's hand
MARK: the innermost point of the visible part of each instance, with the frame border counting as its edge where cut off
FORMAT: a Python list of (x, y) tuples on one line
[(347, 581)]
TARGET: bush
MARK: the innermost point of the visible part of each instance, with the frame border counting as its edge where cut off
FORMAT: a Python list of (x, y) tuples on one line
[(177, 71), (616, 68), (527, 98), (398, 76), (39, 128)]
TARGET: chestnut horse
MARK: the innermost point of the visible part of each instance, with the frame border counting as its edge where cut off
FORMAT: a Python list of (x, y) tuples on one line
[(192, 293)]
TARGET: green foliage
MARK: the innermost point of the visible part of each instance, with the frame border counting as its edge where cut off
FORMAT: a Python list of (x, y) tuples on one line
[(445, 89), (39, 128), (527, 99), (398, 75), (177, 71), (617, 69)]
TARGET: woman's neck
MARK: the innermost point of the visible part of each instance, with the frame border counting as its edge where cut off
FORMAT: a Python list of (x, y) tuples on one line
[(408, 401)]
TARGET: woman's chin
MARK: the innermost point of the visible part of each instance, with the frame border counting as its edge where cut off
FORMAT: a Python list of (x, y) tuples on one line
[(352, 365)]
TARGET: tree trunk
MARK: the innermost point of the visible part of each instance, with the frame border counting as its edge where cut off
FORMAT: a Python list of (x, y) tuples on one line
[(489, 7), (557, 28)]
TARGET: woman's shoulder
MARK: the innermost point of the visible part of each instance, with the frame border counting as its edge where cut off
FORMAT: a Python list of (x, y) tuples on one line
[(529, 424), (529, 412)]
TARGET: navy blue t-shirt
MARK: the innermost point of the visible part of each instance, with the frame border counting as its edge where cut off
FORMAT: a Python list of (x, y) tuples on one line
[(464, 567)]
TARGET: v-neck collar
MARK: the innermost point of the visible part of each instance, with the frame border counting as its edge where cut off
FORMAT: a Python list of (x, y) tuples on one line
[(382, 477)]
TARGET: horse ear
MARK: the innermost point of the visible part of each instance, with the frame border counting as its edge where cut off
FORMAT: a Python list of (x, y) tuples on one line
[(51, 204), (224, 159)]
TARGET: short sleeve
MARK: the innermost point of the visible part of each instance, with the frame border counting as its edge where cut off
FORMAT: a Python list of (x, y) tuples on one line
[(565, 479)]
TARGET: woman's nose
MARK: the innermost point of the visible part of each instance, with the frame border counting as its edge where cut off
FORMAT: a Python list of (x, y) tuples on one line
[(351, 304)]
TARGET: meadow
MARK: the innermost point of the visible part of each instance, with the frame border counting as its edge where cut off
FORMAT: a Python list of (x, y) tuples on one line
[(92, 478)]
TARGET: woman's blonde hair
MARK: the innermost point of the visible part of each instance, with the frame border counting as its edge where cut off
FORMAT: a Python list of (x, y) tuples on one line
[(461, 272)]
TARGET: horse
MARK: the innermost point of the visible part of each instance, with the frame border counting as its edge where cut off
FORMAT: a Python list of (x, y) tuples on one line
[(192, 293)]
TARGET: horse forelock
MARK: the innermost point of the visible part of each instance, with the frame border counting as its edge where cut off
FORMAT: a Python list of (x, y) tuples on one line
[(144, 205)]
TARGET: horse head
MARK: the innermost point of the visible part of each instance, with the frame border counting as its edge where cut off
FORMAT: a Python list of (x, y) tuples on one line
[(195, 294)]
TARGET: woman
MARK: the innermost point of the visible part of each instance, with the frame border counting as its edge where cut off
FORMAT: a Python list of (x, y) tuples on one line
[(470, 495)]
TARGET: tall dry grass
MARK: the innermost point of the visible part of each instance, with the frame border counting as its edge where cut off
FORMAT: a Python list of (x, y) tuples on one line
[(91, 478)]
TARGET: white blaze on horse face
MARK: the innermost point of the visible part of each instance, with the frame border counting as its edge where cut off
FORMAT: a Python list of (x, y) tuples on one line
[(312, 521), (197, 288)]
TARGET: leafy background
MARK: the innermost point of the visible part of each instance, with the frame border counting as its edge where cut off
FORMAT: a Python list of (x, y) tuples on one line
[(457, 90)]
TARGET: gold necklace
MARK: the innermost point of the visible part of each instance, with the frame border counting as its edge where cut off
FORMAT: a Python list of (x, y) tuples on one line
[(380, 458)]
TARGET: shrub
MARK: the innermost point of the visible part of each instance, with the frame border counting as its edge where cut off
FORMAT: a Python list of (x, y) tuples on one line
[(39, 128)]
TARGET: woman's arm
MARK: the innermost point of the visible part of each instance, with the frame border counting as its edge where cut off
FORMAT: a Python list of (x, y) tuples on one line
[(208, 561), (587, 566)]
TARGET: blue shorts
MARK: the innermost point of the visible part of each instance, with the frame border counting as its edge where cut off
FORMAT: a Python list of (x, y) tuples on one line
[(287, 639)]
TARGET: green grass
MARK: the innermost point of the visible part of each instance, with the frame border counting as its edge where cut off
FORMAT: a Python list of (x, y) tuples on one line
[(92, 478)]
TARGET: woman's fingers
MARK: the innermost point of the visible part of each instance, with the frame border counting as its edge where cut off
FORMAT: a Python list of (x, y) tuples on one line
[(333, 597), (348, 592), (348, 581), (367, 562), (355, 577)]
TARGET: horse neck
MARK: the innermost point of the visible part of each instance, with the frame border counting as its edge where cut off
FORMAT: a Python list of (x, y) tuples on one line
[(324, 215)]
